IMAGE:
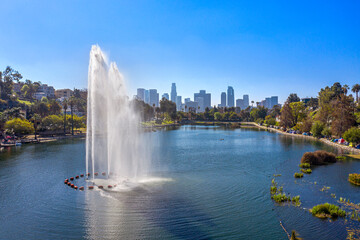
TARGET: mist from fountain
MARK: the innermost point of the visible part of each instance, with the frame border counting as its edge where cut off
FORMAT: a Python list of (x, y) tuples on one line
[(114, 143)]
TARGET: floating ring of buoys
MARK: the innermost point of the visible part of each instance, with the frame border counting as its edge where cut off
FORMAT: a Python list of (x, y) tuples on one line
[(68, 181)]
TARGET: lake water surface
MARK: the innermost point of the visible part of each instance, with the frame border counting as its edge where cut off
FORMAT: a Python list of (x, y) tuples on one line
[(217, 187)]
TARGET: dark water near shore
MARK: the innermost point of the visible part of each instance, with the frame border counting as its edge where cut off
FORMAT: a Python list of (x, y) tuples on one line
[(219, 189)]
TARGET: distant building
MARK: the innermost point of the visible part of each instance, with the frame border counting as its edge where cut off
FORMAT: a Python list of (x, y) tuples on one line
[(203, 99), (141, 94), (154, 97), (39, 95), (230, 97), (63, 93), (246, 101), (173, 92), (191, 106), (187, 100), (305, 100), (166, 96), (17, 87), (240, 103), (178, 103), (269, 102), (147, 96), (223, 99)]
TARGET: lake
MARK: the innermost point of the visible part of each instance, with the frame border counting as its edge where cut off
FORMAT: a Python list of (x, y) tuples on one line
[(216, 186)]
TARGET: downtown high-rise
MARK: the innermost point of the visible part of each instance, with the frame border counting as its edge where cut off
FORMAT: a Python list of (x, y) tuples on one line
[(230, 97), (173, 93)]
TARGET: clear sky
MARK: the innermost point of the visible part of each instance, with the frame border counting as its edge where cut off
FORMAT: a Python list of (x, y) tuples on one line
[(261, 48)]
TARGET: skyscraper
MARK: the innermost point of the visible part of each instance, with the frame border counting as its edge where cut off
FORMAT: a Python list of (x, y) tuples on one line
[(205, 101), (246, 101), (165, 95), (154, 97), (230, 97), (223, 99), (141, 94), (173, 92), (274, 101), (147, 96), (178, 103)]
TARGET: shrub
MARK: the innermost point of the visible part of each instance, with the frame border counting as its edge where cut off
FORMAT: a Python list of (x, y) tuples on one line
[(19, 126), (298, 175), (304, 165), (296, 200), (352, 135), (317, 128), (327, 210), (354, 178), (319, 157), (326, 132)]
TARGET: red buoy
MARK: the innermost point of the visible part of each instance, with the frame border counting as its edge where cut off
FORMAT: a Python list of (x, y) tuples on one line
[(91, 187), (67, 179), (75, 187), (65, 182), (81, 175), (71, 179), (69, 183), (100, 186), (104, 173), (72, 185), (77, 177), (109, 186), (96, 174), (81, 188), (88, 174)]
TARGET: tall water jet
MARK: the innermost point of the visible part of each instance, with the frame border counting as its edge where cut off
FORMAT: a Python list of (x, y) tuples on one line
[(113, 142)]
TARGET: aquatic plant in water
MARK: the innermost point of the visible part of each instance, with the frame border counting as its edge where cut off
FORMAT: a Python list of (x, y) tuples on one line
[(354, 178), (298, 175), (307, 171), (327, 210), (305, 165)]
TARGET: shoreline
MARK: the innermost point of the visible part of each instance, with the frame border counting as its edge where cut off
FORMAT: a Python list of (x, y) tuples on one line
[(324, 140)]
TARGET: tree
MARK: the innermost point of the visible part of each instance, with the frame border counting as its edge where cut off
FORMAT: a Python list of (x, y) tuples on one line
[(52, 123), (169, 107), (298, 111), (65, 106), (293, 97), (41, 108), (343, 115), (356, 89), (36, 118), (352, 135), (317, 128), (72, 102), (19, 126), (286, 117), (217, 116), (258, 113), (54, 107), (7, 78)]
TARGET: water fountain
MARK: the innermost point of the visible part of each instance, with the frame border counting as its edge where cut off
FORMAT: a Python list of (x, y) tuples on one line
[(114, 143)]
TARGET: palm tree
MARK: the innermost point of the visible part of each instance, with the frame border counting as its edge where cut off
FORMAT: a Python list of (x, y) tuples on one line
[(252, 103), (72, 103), (345, 89), (35, 119), (356, 89), (65, 106)]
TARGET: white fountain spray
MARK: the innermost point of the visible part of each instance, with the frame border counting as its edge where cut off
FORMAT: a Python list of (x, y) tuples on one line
[(113, 142)]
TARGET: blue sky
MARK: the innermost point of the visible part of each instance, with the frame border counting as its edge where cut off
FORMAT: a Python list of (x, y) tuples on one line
[(261, 48)]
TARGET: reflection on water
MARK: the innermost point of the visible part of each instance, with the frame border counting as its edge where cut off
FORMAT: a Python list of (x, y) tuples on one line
[(209, 183)]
